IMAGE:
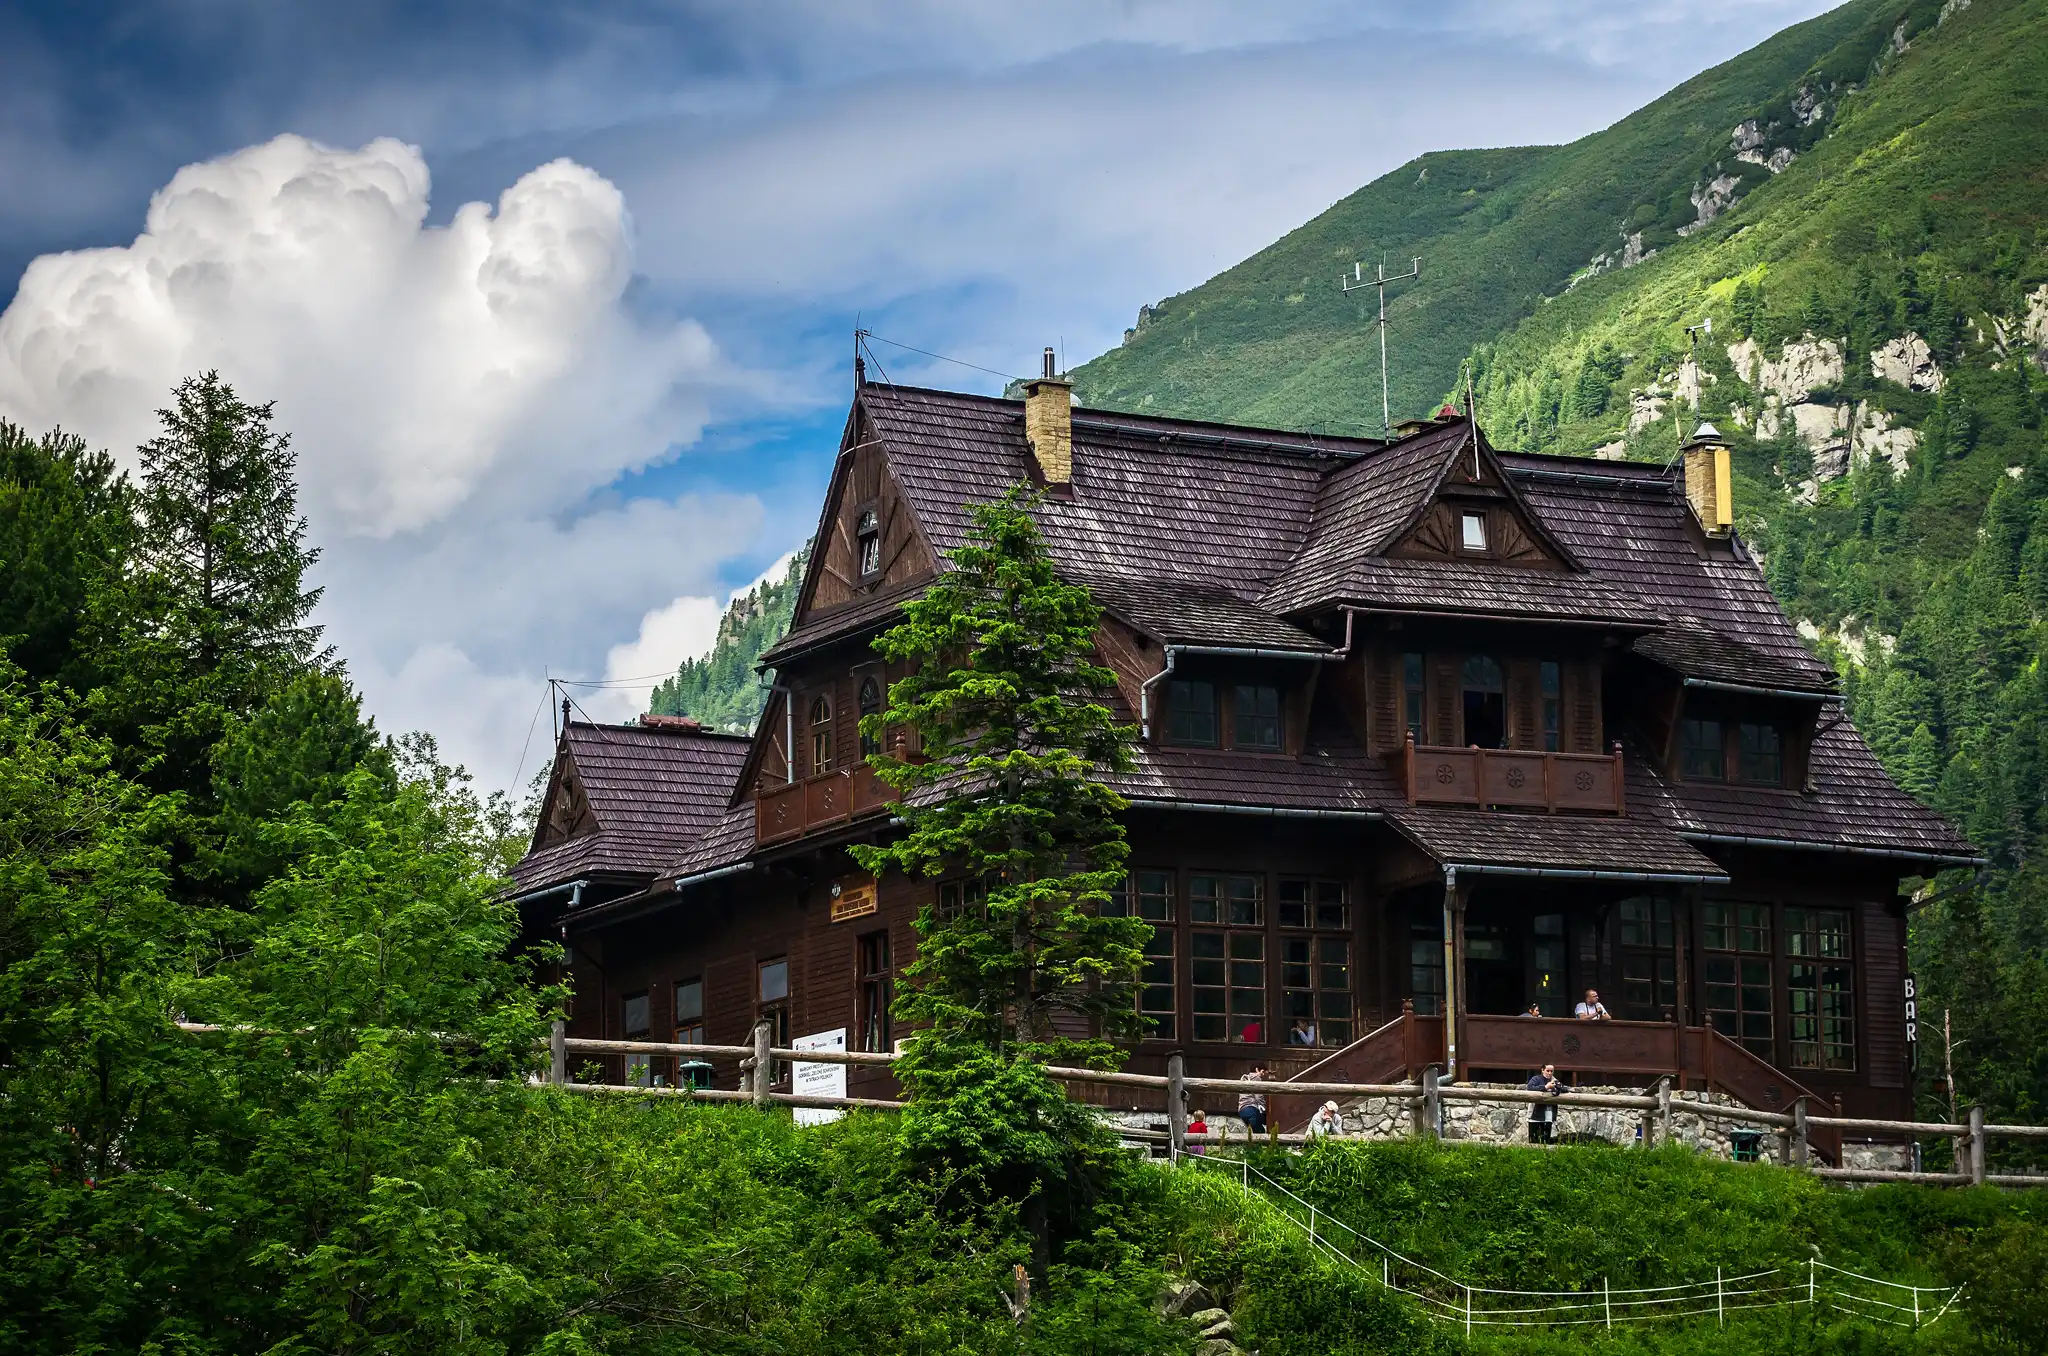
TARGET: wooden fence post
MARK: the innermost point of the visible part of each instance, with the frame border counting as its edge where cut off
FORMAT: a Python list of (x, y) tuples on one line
[(1976, 1146), (558, 1053), (1432, 1104), (1176, 1107), (1800, 1149), (1664, 1109), (764, 1077)]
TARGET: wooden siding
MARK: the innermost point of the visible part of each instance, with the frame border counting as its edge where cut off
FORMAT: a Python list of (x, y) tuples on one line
[(866, 486)]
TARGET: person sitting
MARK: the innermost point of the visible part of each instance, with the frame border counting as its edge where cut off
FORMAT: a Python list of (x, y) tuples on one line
[(1327, 1121), (1198, 1124), (1592, 1009), (1253, 1033), (1251, 1106), (1302, 1033), (1535, 1009), (1543, 1115)]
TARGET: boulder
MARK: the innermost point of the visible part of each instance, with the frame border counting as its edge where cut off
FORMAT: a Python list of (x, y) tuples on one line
[(1179, 1298), (1218, 1346), (1906, 361)]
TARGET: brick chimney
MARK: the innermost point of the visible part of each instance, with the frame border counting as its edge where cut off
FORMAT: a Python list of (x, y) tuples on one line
[(1049, 424), (1709, 483)]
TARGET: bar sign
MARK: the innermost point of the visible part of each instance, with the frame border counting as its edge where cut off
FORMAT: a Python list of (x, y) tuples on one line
[(1912, 1011)]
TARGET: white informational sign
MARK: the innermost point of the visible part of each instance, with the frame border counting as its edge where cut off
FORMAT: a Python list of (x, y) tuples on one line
[(818, 1080)]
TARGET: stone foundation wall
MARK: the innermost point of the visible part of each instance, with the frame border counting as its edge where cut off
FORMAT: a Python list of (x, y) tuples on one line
[(1508, 1123)]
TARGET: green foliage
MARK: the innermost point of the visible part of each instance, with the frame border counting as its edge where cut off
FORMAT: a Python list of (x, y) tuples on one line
[(64, 531), (721, 689)]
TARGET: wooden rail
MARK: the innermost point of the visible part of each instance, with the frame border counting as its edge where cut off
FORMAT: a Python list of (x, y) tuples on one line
[(1530, 779)]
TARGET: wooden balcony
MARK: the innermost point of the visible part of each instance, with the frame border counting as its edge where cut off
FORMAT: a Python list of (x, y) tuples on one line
[(1522, 779), (790, 811)]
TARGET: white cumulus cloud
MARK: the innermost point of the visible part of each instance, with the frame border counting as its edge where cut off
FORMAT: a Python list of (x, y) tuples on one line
[(457, 396)]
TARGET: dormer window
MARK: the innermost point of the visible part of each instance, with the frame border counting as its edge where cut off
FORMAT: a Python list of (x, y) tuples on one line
[(1257, 723), (868, 538), (1701, 756), (1759, 754), (1472, 530), (1191, 714)]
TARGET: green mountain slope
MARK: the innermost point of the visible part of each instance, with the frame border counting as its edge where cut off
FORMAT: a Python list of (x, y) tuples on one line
[(721, 689), (1272, 341)]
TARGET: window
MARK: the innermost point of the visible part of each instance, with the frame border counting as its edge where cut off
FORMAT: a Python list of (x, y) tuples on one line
[(1257, 724), (821, 736), (1552, 686), (1314, 904), (690, 1012), (1146, 894), (773, 990), (1701, 756), (877, 990), (639, 1068), (1736, 972), (1238, 901), (1229, 982), (1486, 708), (1412, 691), (1191, 713), (1649, 963), (868, 535), (1155, 985), (1472, 531), (1315, 990), (958, 897), (1546, 964), (1758, 754), (870, 705), (1820, 989), (1426, 965)]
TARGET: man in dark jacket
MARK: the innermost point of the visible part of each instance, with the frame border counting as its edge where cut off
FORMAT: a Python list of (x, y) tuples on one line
[(1543, 1115)]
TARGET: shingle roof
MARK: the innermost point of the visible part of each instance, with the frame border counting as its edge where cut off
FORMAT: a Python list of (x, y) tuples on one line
[(1475, 588), (1696, 650), (874, 613), (1180, 612), (652, 791), (1552, 842)]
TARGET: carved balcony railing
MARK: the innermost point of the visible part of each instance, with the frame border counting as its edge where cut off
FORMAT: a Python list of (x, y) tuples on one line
[(1522, 779), (790, 811)]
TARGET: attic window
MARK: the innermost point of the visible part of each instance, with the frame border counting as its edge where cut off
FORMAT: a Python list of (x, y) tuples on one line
[(868, 536), (1472, 531)]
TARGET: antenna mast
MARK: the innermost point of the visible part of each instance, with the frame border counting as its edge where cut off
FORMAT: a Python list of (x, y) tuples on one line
[(1358, 281)]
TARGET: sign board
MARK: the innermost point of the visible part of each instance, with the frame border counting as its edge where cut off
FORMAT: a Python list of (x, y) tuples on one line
[(1912, 1022), (818, 1080), (853, 900)]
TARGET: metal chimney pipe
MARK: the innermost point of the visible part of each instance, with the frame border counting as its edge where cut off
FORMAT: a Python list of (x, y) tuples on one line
[(1047, 370)]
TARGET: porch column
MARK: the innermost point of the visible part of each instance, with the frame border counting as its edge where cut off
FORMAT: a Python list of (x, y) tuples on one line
[(1686, 908), (1454, 965)]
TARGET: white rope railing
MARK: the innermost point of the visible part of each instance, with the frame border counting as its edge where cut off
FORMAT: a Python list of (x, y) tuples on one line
[(1448, 1299)]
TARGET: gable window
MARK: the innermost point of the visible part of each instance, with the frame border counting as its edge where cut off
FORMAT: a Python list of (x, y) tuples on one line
[(821, 736), (1472, 530), (1191, 714), (1552, 685), (1257, 718), (870, 705), (877, 990), (1701, 756), (1412, 693), (868, 537), (1486, 707), (690, 1012), (1759, 754)]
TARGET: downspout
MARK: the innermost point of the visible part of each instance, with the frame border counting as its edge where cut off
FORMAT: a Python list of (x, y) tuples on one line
[(1450, 975), (574, 889), (1174, 652)]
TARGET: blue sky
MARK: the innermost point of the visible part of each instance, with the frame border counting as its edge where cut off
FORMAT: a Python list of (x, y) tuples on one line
[(550, 431)]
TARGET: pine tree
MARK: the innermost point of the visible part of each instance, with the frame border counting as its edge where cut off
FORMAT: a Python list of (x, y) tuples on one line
[(65, 528), (1006, 704)]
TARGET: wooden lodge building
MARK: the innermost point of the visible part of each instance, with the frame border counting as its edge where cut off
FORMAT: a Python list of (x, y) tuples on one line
[(1424, 726)]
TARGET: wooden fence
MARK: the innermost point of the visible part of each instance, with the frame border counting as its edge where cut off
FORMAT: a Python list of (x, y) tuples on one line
[(1426, 1099)]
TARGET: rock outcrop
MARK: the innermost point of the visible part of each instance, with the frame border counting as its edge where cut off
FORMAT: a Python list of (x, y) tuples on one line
[(1711, 199), (1806, 365), (1908, 361), (1871, 434), (2033, 325)]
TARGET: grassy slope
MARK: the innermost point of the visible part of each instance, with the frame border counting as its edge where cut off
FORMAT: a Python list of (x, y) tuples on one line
[(1272, 341)]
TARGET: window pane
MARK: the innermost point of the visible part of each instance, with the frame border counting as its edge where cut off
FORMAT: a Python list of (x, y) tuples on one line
[(1257, 717), (1700, 749), (1552, 683), (1191, 713), (1472, 531), (1155, 981), (636, 1014), (689, 1001), (1205, 904), (1482, 674), (1246, 901), (774, 981), (1760, 758), (1294, 905)]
